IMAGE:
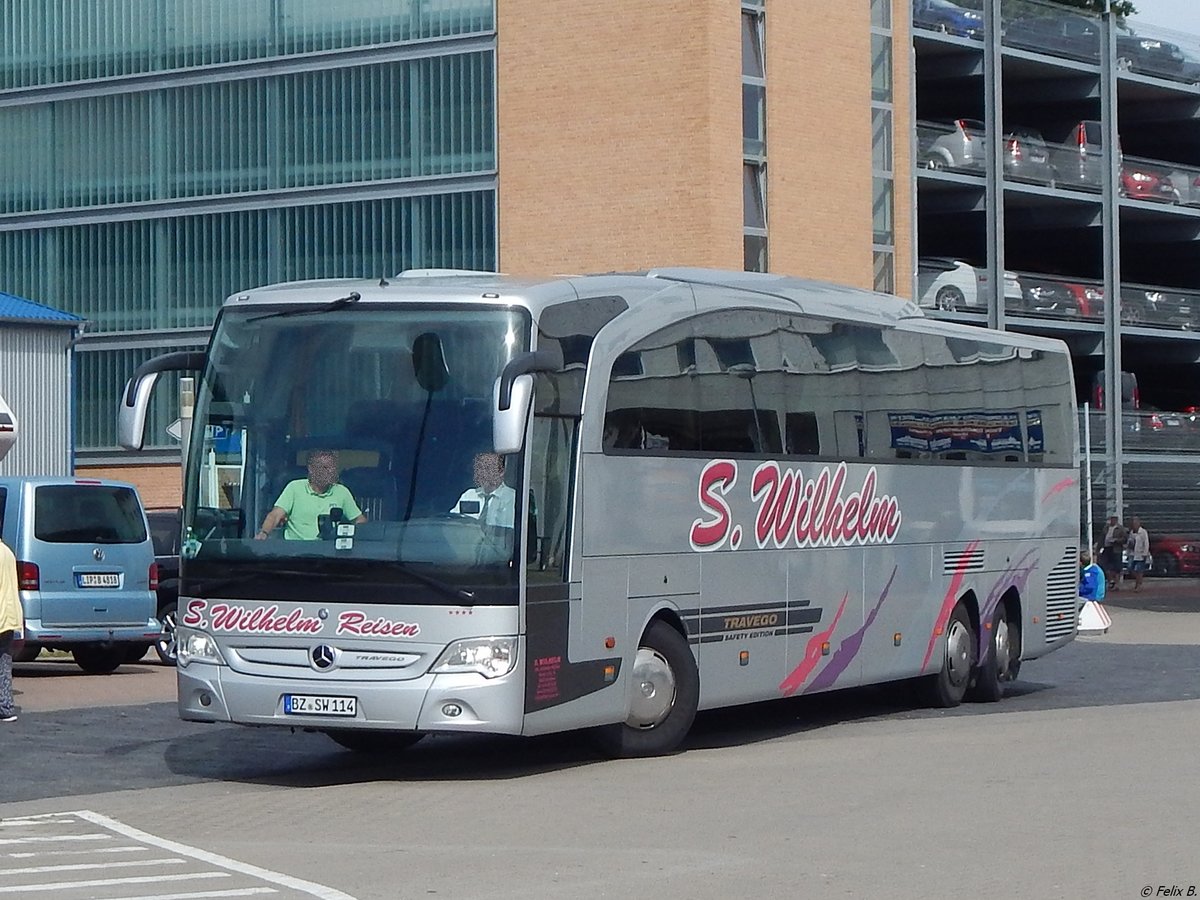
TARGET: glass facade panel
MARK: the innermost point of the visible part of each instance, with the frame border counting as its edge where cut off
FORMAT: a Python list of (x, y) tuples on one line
[(881, 210), (881, 139), (881, 13), (754, 119), (754, 252), (198, 133), (885, 271), (418, 117), (881, 67), (754, 196), (752, 46), (45, 43), (175, 272)]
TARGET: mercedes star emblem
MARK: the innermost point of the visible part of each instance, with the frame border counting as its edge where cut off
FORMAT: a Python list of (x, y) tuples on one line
[(322, 657)]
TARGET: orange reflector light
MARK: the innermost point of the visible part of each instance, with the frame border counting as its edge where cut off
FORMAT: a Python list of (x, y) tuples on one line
[(896, 639), (1036, 619), (610, 642), (744, 658), (987, 626), (610, 673), (825, 648), (937, 632)]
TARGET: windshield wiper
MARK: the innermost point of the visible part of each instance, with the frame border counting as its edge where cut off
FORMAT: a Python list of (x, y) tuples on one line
[(332, 305)]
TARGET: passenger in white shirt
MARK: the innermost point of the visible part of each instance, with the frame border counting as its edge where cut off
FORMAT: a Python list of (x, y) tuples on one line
[(492, 502), (1138, 543)]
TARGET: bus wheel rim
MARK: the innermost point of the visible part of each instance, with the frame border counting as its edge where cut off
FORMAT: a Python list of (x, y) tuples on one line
[(653, 689), (958, 652), (1003, 649)]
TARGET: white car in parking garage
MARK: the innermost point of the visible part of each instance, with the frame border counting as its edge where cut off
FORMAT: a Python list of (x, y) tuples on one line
[(951, 285)]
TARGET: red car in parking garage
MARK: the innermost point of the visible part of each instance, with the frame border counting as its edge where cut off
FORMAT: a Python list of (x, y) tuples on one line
[(1142, 182), (1173, 554)]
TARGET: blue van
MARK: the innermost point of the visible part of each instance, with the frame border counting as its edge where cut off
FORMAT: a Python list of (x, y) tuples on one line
[(85, 568)]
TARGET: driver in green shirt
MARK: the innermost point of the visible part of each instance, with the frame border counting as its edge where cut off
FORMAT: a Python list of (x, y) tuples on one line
[(303, 500)]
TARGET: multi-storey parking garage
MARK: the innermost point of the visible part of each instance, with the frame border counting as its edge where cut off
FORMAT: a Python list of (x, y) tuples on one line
[(1097, 248)]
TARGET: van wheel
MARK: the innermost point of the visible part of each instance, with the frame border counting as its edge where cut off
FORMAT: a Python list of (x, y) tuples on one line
[(666, 693), (1003, 659), (27, 653), (947, 687), (99, 660), (374, 741), (134, 652)]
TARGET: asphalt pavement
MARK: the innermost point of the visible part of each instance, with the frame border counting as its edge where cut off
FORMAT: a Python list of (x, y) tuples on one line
[(1079, 784)]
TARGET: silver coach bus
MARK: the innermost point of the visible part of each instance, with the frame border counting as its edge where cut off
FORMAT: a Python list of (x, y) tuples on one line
[(717, 488)]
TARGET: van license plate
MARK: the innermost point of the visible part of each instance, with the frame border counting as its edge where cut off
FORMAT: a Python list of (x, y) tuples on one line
[(315, 705), (99, 579)]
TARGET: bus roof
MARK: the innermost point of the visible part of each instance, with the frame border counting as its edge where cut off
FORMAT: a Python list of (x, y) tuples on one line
[(536, 293), (818, 298)]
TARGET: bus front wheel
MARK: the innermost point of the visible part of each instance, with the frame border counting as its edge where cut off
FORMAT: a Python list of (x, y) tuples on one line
[(947, 687), (373, 741), (666, 693)]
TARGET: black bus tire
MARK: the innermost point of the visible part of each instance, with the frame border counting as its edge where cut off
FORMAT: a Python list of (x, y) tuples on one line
[(1002, 661), (947, 687), (666, 694)]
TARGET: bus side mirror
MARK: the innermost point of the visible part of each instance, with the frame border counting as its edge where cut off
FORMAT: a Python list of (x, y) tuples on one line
[(131, 417), (508, 425), (135, 399), (513, 394)]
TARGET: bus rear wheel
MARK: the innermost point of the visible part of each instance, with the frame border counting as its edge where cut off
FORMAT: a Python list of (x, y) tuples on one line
[(666, 693), (373, 741), (947, 687), (1002, 661)]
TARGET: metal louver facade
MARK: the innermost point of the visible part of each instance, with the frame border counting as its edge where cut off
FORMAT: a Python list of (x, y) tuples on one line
[(163, 154), (40, 403)]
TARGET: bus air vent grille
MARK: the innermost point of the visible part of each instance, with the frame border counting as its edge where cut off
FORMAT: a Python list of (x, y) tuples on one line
[(1062, 596), (969, 560)]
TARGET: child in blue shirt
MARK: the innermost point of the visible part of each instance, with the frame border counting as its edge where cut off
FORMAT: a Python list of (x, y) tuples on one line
[(1091, 578)]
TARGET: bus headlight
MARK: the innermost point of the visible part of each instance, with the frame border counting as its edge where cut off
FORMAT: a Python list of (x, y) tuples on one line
[(196, 646), (490, 657)]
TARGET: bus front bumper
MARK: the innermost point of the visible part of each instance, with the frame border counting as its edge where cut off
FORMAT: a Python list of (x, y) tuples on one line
[(459, 702)]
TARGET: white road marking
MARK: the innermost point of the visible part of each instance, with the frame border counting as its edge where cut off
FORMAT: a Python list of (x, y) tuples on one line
[(105, 882), (51, 839), (112, 829), (90, 851), (197, 895), (79, 867)]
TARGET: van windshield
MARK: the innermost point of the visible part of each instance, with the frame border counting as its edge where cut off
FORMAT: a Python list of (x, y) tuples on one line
[(87, 513)]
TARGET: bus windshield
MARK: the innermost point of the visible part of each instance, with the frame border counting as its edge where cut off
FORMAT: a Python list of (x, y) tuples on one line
[(345, 453)]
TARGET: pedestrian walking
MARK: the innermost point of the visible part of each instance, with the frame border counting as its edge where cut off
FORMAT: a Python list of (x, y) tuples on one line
[(1138, 543), (1111, 549), (12, 622)]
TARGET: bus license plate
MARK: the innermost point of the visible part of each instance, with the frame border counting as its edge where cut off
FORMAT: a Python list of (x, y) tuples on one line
[(99, 579), (316, 705)]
